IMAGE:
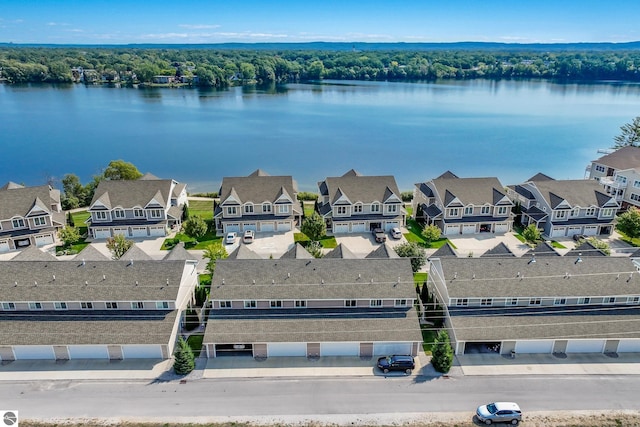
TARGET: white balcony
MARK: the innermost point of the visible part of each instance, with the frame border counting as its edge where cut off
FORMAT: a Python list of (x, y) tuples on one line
[(612, 183)]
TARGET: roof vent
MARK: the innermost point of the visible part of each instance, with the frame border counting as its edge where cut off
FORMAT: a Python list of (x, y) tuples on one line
[(474, 276), (288, 275), (35, 283), (533, 259), (54, 277), (86, 282), (223, 280), (15, 283), (359, 276), (131, 262), (322, 281), (83, 261), (579, 259), (136, 283), (630, 276), (167, 281), (254, 281), (273, 282), (518, 274)]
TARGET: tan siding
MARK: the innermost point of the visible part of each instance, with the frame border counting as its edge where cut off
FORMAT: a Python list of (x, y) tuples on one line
[(115, 352)]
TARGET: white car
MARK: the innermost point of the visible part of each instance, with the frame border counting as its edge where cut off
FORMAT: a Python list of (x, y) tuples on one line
[(230, 239), (499, 412), (396, 233), (248, 236)]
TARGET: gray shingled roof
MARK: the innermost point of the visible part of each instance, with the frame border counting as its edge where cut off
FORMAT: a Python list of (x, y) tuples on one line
[(10, 185), (312, 279), (33, 254), (90, 281), (445, 250), (577, 192), (585, 249), (19, 201), (474, 191), (340, 251), (547, 277), (622, 158), (258, 188), (359, 188), (383, 251), (179, 253), (540, 177), (543, 249), (130, 193), (500, 250), (136, 254), (243, 252), (297, 251), (90, 253)]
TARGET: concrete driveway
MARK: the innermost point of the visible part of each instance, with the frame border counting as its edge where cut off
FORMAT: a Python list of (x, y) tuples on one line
[(476, 244), (270, 244)]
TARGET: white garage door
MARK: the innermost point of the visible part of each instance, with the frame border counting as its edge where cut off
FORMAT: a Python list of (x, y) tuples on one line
[(102, 233), (232, 227), (284, 226), (534, 346), (287, 349), (557, 231), (139, 231), (157, 231), (468, 229), (452, 229), (390, 224), (267, 226), (44, 240), (88, 352), (571, 231), (585, 346), (501, 228), (590, 230), (358, 227), (141, 352), (33, 352), (340, 228), (629, 346), (340, 349), (382, 348), (249, 226), (4, 246), (123, 231)]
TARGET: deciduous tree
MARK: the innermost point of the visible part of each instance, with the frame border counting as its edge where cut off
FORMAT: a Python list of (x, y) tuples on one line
[(118, 245), (431, 233), (195, 227), (121, 170), (531, 233), (629, 222), (415, 252), (314, 227), (68, 235), (213, 253)]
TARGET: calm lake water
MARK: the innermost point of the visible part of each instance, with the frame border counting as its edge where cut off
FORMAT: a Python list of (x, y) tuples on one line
[(415, 131)]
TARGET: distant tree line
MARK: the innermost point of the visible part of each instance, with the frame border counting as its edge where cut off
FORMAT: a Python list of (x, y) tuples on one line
[(223, 67)]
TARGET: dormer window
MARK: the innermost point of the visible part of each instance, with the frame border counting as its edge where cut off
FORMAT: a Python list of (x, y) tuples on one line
[(590, 212), (468, 210), (561, 214), (486, 210), (118, 214), (155, 213), (266, 208), (502, 210), (248, 208), (607, 212), (357, 208), (100, 215), (341, 210), (17, 222), (392, 208), (375, 207), (231, 210), (283, 209), (138, 213), (452, 212), (40, 221), (575, 212)]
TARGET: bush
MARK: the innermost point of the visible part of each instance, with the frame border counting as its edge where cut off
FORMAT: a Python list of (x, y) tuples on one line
[(531, 233), (407, 196), (195, 227), (307, 196), (431, 233), (184, 360), (415, 252), (442, 353)]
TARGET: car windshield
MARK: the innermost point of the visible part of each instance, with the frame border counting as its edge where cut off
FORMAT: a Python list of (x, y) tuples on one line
[(492, 408)]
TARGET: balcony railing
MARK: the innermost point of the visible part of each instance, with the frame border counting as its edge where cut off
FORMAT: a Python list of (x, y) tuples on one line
[(608, 182)]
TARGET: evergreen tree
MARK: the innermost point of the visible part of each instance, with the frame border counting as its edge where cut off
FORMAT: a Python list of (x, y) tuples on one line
[(184, 360), (314, 227), (442, 353)]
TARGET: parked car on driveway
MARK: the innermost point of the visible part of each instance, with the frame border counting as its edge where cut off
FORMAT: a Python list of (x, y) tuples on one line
[(396, 233), (248, 236), (396, 363), (230, 239), (379, 235), (578, 237), (499, 412)]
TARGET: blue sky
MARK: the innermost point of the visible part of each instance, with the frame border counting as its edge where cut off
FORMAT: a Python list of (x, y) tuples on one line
[(214, 21)]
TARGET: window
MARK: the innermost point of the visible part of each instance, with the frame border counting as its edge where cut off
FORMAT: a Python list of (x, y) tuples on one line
[(231, 210), (502, 210), (111, 305), (590, 212), (511, 301), (575, 212), (17, 223), (485, 210), (630, 300), (118, 213), (609, 300), (100, 216), (621, 179), (636, 184), (535, 301), (266, 208), (283, 209), (60, 305), (607, 212), (357, 208), (375, 207), (301, 304), (248, 208), (486, 301), (138, 213), (468, 210), (350, 303), (162, 304), (8, 306), (225, 304), (561, 214), (560, 301), (40, 220), (600, 168), (392, 208), (35, 306), (250, 304), (275, 304), (452, 212), (341, 210), (584, 300), (635, 197), (375, 303), (137, 305), (400, 303), (155, 213), (462, 302), (86, 305)]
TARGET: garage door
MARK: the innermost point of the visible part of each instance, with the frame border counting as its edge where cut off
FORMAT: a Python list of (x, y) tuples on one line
[(534, 346), (340, 349), (123, 231), (590, 230), (381, 348), (390, 224), (232, 227), (44, 240), (452, 229), (101, 233), (501, 228), (284, 226), (287, 349), (157, 231), (469, 229), (267, 226), (557, 231), (139, 231), (573, 231), (340, 228), (249, 226), (141, 352), (358, 227), (629, 346), (33, 352), (585, 346), (4, 246), (88, 352)]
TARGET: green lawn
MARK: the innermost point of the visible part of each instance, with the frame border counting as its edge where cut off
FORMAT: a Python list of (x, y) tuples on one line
[(428, 338), (79, 219), (201, 208), (557, 245), (309, 208), (625, 238), (519, 237), (415, 235), (189, 243), (327, 242), (420, 277), (195, 342)]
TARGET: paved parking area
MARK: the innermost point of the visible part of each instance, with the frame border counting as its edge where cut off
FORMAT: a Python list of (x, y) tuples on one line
[(271, 244), (476, 244)]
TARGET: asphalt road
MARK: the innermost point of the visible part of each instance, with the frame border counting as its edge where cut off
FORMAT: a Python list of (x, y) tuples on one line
[(312, 398)]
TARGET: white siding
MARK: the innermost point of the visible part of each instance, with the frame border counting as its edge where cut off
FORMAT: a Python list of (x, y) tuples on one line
[(88, 352), (629, 346), (141, 352), (387, 348), (33, 352), (287, 349), (534, 346), (585, 346), (340, 349)]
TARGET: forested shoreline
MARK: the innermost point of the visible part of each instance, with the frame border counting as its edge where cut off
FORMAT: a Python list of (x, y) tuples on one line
[(223, 67)]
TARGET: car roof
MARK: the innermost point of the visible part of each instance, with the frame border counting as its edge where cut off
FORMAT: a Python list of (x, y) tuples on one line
[(501, 406), (402, 357)]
